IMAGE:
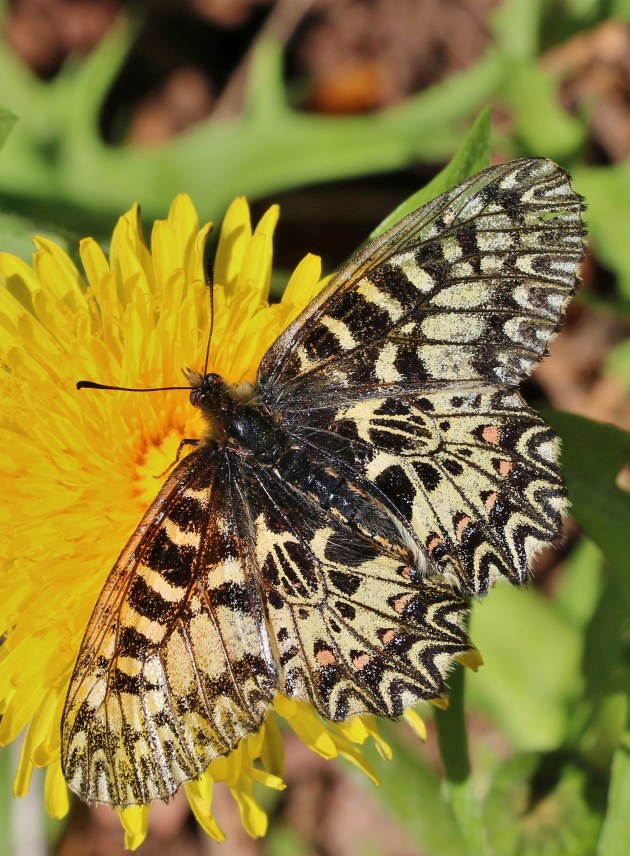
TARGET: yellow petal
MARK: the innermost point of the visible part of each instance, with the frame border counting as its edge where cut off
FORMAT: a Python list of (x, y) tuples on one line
[(55, 791), (135, 822), (307, 725), (236, 233), (253, 818), (416, 722), (93, 260), (303, 283), (199, 794), (471, 659), (55, 269), (272, 750)]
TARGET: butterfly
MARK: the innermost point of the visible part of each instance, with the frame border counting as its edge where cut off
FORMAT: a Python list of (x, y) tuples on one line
[(324, 539)]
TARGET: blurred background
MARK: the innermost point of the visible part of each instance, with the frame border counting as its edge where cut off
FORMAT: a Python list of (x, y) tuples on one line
[(340, 109)]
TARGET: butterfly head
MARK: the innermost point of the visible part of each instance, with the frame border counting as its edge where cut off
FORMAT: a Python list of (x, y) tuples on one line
[(209, 392)]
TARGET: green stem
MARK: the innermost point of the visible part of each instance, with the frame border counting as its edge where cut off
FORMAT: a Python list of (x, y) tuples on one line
[(453, 743)]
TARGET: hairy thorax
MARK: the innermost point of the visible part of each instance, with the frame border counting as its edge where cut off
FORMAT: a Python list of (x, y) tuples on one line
[(239, 422)]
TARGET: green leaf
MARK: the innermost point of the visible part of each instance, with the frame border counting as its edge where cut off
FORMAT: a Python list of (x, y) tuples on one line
[(516, 25), (284, 840), (16, 236), (532, 660), (579, 587), (7, 121), (621, 9), (542, 125), (607, 193), (592, 456), (412, 793), (616, 830), (472, 156), (56, 155), (618, 363), (460, 785), (603, 663), (545, 805)]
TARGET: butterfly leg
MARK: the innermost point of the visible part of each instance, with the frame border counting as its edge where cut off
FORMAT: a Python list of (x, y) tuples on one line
[(185, 442)]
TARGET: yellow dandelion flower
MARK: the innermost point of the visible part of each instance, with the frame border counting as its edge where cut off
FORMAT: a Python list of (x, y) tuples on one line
[(79, 472)]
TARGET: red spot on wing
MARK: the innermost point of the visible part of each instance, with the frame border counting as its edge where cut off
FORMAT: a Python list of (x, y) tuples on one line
[(505, 468), (491, 434), (361, 661), (325, 657), (401, 601), (462, 525)]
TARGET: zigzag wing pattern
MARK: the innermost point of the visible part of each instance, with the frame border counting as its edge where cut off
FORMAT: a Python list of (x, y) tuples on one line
[(465, 291), (474, 475), (176, 665), (357, 626)]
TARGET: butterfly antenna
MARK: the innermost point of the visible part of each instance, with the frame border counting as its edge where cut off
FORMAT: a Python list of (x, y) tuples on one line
[(210, 284), (90, 384)]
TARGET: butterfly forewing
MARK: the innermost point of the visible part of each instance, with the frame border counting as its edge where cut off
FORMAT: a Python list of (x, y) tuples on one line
[(463, 292), (404, 371), (176, 664)]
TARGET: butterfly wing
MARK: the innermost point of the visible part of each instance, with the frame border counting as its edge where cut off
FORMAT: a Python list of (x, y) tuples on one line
[(474, 475), (405, 368), (357, 627), (176, 664)]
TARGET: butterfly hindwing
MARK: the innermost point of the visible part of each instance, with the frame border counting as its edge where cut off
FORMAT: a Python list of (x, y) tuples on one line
[(474, 475), (175, 667), (357, 628)]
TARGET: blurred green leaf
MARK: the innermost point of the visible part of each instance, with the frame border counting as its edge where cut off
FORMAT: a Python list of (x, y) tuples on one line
[(616, 830), (7, 121), (603, 663), (16, 236), (619, 9), (542, 125), (579, 587), (516, 25), (545, 805), (531, 671), (472, 156), (593, 454), (412, 793), (618, 363), (607, 193), (284, 840), (459, 785), (564, 18), (56, 154)]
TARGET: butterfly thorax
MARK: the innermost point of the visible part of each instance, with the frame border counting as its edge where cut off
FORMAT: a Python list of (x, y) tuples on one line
[(237, 420), (240, 423)]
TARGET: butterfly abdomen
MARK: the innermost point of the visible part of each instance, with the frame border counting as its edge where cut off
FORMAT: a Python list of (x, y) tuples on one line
[(331, 490)]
